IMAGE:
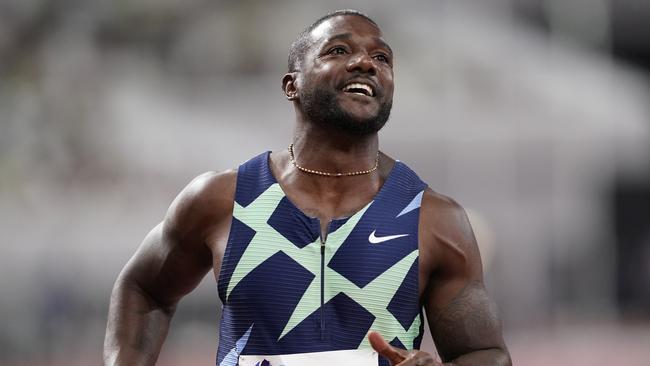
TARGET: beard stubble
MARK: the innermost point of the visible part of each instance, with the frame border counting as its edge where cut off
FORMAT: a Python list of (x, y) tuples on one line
[(322, 107)]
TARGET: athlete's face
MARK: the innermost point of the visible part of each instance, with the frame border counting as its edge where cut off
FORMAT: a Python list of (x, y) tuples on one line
[(346, 77)]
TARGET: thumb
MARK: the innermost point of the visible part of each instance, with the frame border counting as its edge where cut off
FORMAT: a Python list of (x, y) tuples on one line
[(379, 344)]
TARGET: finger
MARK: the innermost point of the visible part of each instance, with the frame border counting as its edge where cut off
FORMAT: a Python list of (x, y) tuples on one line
[(379, 344), (419, 358)]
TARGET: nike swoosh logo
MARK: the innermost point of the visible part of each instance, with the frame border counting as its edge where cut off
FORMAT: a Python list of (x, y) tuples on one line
[(376, 240)]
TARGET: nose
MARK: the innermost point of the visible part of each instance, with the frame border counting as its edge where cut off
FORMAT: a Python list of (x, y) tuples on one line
[(362, 62)]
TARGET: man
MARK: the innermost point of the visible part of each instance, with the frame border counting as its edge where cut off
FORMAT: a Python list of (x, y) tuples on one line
[(324, 252)]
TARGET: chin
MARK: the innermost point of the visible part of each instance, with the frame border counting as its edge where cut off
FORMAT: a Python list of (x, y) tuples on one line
[(344, 115), (357, 118), (360, 125)]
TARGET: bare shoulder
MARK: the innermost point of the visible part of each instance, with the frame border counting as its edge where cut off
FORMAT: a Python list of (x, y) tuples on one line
[(447, 236), (205, 201), (436, 206)]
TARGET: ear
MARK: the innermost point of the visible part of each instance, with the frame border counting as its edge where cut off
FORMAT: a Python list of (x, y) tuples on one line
[(289, 85)]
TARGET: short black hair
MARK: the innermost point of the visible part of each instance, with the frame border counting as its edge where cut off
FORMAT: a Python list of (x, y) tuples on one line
[(301, 44)]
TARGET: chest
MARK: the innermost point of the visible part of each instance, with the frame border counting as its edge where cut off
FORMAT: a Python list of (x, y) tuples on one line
[(330, 203), (279, 270)]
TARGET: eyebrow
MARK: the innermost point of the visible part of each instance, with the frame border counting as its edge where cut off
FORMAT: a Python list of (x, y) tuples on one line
[(346, 36)]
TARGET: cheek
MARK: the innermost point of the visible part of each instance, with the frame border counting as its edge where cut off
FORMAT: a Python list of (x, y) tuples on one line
[(321, 68), (320, 73), (390, 86), (388, 78)]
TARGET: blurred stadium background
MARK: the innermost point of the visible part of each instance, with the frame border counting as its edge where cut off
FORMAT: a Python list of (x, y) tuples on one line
[(534, 114)]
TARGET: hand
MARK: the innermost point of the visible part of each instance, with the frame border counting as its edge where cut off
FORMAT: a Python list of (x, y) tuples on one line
[(398, 356)]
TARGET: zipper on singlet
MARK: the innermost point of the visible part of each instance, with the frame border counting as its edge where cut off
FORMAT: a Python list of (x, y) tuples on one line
[(323, 240), (322, 288)]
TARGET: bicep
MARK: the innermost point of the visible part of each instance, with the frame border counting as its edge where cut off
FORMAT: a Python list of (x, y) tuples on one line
[(166, 267), (468, 323)]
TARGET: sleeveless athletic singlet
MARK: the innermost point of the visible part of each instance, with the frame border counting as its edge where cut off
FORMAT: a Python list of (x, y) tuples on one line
[(284, 292)]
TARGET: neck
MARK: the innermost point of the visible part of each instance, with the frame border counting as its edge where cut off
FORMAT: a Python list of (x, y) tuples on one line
[(330, 151)]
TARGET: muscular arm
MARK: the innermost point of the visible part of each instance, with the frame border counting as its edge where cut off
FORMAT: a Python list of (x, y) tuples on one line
[(170, 262), (463, 320)]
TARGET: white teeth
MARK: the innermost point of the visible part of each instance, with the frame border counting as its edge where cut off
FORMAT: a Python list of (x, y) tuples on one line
[(365, 87)]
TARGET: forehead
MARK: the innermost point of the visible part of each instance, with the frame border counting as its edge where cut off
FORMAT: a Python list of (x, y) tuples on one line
[(352, 24)]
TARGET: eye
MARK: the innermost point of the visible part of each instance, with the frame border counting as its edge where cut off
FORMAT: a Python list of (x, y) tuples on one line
[(382, 58), (338, 50)]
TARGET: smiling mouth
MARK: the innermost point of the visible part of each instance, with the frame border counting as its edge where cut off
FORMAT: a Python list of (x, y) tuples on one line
[(359, 88)]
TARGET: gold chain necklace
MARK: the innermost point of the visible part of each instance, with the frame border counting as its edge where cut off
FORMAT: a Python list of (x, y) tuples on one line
[(327, 174)]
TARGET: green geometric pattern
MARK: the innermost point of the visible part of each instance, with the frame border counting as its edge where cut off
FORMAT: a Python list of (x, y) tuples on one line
[(374, 297)]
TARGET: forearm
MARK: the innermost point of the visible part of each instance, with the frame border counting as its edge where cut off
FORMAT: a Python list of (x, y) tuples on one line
[(137, 326), (487, 357)]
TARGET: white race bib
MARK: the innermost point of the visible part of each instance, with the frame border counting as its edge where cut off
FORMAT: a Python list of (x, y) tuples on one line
[(357, 357)]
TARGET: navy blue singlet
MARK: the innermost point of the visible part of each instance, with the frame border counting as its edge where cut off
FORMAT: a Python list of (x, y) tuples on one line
[(286, 292)]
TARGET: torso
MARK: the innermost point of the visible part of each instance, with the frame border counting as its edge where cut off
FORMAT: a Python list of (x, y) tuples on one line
[(327, 209)]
